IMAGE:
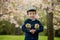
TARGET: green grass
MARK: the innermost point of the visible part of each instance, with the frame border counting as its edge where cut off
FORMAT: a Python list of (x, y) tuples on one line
[(10, 37)]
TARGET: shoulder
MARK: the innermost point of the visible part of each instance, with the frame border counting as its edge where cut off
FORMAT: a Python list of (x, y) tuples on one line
[(27, 20), (37, 20)]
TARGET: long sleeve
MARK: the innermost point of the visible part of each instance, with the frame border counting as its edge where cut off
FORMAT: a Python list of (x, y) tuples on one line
[(24, 29), (40, 28)]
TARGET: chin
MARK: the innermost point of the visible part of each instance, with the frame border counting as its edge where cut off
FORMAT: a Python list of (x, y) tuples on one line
[(32, 18)]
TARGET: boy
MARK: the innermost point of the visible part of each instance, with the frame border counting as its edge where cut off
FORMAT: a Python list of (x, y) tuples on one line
[(32, 26)]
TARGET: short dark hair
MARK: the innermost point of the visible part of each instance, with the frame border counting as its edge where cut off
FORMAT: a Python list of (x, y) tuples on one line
[(31, 10)]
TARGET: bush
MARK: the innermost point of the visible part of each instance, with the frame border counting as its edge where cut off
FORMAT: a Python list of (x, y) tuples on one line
[(18, 31), (6, 28), (57, 33), (44, 33)]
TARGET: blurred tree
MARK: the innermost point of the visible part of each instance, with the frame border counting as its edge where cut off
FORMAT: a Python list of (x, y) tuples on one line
[(7, 28), (49, 10)]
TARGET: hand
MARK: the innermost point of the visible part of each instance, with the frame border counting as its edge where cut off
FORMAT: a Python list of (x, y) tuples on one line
[(32, 31)]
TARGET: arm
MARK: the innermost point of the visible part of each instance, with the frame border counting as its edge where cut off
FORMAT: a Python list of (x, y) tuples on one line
[(40, 28), (24, 29)]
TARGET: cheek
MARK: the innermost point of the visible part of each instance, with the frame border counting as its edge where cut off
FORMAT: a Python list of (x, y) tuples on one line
[(31, 15)]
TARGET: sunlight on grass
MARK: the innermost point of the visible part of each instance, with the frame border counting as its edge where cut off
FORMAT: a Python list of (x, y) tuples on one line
[(13, 37)]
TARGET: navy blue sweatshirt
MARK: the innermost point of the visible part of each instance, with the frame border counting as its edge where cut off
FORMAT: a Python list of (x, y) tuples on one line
[(28, 25)]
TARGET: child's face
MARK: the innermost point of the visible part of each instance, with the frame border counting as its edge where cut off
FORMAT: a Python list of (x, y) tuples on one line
[(31, 14)]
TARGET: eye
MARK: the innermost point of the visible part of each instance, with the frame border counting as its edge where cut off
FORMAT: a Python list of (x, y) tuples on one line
[(30, 13), (33, 13)]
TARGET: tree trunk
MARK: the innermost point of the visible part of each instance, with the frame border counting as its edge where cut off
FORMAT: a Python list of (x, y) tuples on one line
[(50, 26)]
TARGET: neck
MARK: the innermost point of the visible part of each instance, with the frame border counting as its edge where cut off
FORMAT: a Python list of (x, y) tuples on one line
[(32, 19)]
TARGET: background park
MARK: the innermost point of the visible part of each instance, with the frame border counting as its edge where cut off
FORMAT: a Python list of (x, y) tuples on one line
[(13, 14)]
